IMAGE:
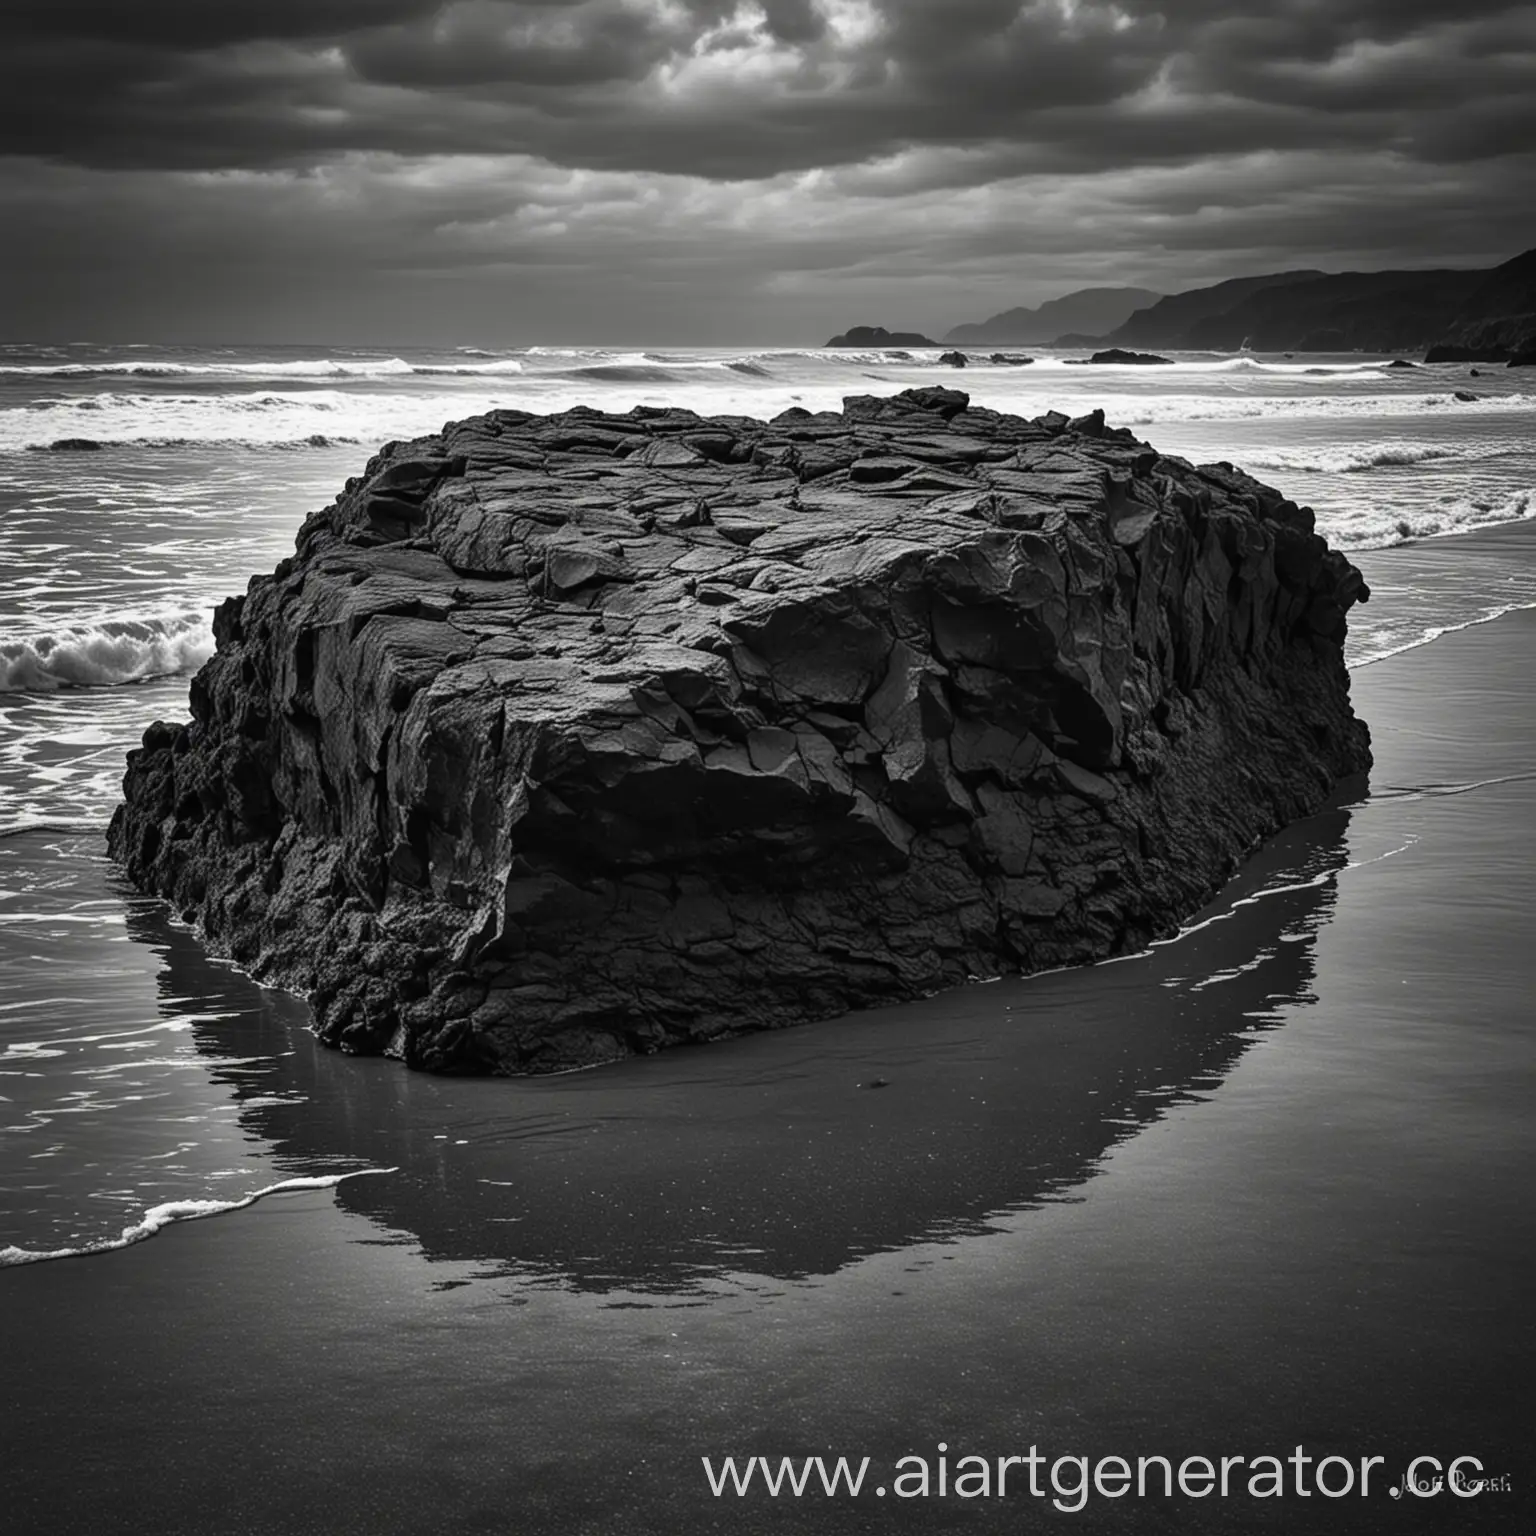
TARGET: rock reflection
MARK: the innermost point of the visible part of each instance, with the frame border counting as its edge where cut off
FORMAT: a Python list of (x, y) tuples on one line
[(775, 1156)]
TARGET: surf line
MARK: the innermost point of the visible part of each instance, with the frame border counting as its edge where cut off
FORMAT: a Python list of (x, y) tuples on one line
[(1312, 882), (179, 1210)]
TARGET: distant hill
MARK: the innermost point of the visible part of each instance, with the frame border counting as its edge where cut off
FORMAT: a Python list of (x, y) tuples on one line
[(1089, 311), (1342, 312), (1498, 318), (1398, 311), (1167, 323), (1447, 314), (878, 336)]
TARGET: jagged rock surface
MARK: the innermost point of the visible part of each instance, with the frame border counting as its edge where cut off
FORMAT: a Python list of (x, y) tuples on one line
[(564, 737)]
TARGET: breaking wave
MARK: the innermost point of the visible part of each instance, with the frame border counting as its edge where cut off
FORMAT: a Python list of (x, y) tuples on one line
[(316, 368), (1384, 529), (97, 445), (626, 373), (308, 368), (318, 418), (467, 370), (64, 826), (1358, 460), (657, 368), (104, 654), (177, 1210), (1259, 365), (847, 357), (1141, 411)]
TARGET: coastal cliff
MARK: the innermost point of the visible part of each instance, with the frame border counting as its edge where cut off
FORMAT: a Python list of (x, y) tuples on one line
[(1456, 314), (564, 737), (1498, 321)]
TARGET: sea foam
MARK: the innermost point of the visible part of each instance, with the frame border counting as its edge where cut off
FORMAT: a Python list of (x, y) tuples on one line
[(1145, 410), (107, 653), (1384, 527), (176, 1210), (302, 368), (1353, 459)]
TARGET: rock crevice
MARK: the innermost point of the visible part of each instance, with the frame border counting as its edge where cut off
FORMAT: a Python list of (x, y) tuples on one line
[(564, 737)]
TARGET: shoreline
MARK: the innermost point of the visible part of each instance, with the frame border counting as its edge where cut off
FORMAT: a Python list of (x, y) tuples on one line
[(1474, 560)]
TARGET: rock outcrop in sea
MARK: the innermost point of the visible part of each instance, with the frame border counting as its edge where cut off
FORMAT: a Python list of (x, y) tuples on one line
[(878, 336), (1117, 357), (564, 737)]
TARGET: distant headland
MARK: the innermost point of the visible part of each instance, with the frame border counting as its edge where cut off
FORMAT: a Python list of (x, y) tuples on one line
[(1446, 314)]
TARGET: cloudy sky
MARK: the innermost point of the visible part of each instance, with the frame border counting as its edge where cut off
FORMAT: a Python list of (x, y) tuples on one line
[(694, 171)]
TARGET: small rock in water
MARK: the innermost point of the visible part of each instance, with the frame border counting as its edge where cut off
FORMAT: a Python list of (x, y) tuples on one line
[(1118, 357)]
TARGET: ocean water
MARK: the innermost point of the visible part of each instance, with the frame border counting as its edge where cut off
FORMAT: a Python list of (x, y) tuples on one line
[(1158, 1192)]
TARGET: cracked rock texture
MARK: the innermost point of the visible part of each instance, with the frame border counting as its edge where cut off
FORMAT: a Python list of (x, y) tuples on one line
[(563, 737)]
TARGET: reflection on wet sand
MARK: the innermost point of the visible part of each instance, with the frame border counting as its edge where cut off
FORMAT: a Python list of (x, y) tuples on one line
[(788, 1155)]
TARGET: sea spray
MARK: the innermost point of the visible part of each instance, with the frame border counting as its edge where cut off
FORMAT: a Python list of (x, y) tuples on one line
[(106, 653)]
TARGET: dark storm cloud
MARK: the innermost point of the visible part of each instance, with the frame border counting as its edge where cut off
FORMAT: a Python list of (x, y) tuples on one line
[(626, 84), (489, 47), (769, 156), (794, 21), (182, 26)]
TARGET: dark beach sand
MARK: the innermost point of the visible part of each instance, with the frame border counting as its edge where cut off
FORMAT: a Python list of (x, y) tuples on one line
[(1268, 1185)]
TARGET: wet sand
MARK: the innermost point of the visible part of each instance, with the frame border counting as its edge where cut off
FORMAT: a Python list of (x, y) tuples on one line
[(1267, 1185)]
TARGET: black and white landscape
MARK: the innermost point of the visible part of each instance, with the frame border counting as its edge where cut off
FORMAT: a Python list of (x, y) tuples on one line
[(766, 766)]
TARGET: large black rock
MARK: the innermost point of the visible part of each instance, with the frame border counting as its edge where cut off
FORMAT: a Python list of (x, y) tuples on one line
[(564, 737)]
